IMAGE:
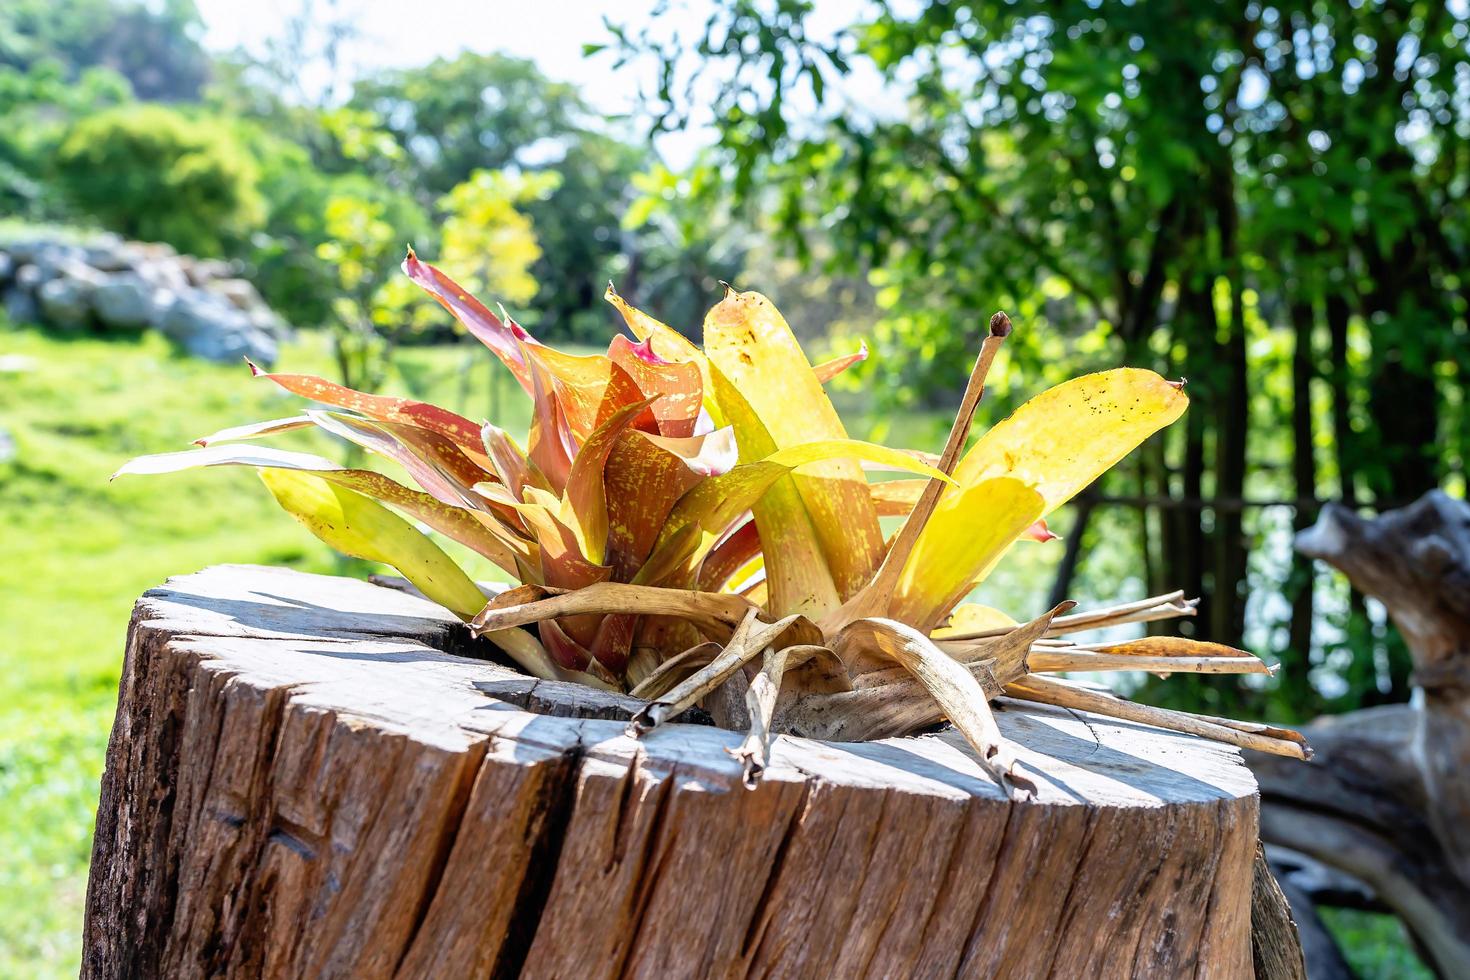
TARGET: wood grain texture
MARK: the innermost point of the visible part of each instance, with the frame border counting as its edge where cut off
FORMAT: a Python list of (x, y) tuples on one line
[(315, 777), (1276, 947)]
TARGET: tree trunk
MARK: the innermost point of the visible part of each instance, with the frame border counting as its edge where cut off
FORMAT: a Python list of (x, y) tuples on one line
[(314, 776), (1362, 673), (1061, 586), (1227, 600), (1296, 678)]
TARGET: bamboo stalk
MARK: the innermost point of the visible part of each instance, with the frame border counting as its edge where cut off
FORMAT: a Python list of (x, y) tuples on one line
[(1046, 691)]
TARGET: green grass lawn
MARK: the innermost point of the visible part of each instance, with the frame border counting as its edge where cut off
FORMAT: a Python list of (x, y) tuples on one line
[(79, 551)]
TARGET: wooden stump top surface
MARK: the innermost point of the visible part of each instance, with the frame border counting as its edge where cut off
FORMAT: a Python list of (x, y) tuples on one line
[(379, 655), (308, 776)]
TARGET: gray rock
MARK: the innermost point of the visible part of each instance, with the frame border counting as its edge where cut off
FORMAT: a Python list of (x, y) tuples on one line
[(209, 327), (241, 293), (72, 282), (7, 447), (59, 261), (25, 251), (20, 297), (164, 273), (28, 278), (113, 255), (126, 302), (201, 272), (20, 305), (66, 303)]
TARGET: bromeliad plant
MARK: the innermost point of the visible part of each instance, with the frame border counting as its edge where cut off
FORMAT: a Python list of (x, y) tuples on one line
[(679, 514)]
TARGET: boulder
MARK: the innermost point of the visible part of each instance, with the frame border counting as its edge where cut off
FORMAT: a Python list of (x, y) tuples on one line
[(204, 271), (241, 293), (20, 297), (25, 251), (164, 273), (127, 302), (112, 254), (28, 278), (209, 327), (20, 306), (103, 281), (66, 303), (66, 261)]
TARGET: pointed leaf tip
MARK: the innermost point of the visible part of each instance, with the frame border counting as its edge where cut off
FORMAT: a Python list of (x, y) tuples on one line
[(643, 350), (1038, 531)]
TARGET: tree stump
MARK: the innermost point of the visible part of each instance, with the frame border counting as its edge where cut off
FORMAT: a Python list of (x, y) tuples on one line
[(315, 776)]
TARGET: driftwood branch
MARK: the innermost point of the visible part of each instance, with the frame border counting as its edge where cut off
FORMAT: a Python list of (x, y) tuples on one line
[(1387, 800)]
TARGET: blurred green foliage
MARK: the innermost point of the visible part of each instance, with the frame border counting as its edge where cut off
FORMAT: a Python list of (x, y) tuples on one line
[(154, 45), (1269, 199), (158, 174), (1272, 199)]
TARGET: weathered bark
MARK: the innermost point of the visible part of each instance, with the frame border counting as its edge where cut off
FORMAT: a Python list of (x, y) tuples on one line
[(1276, 950), (313, 777), (1320, 955), (1359, 806), (1385, 798), (1416, 561)]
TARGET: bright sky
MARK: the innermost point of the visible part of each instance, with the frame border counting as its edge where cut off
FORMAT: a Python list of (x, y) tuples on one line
[(399, 34), (404, 33)]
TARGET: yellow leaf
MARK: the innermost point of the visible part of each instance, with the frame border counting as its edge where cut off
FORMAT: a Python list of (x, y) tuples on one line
[(797, 571), (855, 449), (750, 343), (482, 532), (363, 528), (1069, 435), (1053, 446), (971, 617), (716, 503), (959, 546)]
